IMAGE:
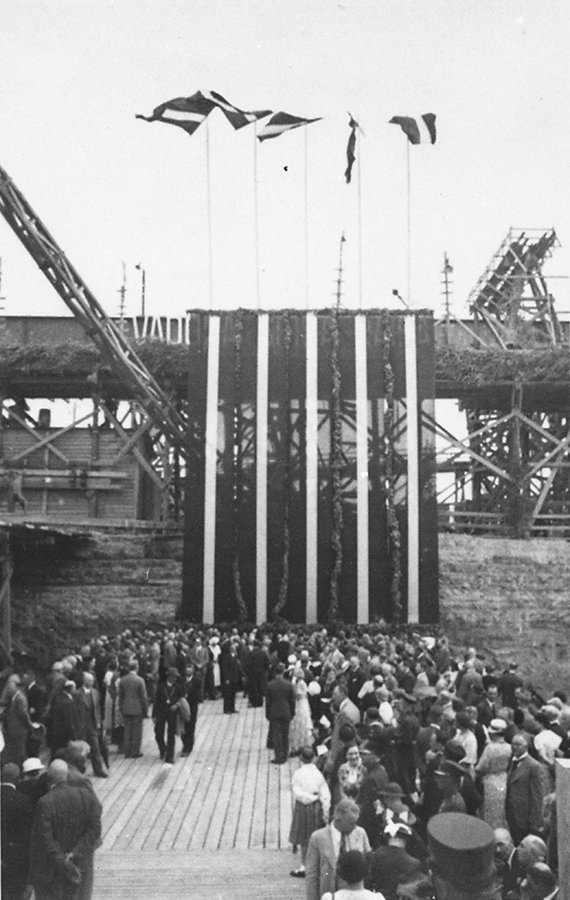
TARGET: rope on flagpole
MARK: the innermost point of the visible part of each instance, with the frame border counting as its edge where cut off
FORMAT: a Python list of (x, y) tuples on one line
[(306, 202), (209, 201), (409, 224), (256, 220)]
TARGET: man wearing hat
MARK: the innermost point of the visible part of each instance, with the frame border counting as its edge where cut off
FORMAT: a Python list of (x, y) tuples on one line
[(462, 851), (30, 784), (165, 712)]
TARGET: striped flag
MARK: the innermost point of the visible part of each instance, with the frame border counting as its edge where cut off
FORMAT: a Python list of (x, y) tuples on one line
[(281, 122), (235, 116), (418, 131), (186, 112)]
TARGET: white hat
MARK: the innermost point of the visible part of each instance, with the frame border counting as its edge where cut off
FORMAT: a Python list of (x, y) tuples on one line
[(291, 659), (33, 764), (497, 726), (314, 688)]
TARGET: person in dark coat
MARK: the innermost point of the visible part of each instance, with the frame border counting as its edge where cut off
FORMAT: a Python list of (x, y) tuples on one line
[(87, 712), (133, 704), (256, 672), (279, 710), (391, 865), (16, 819), (230, 673), (192, 692), (523, 806), (61, 719), (16, 722), (65, 835), (165, 713)]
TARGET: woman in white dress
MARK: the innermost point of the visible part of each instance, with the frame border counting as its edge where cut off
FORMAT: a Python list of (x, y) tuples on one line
[(301, 727), (312, 800)]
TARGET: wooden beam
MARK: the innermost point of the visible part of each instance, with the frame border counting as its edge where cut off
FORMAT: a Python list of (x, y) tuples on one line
[(135, 451), (47, 440), (435, 426)]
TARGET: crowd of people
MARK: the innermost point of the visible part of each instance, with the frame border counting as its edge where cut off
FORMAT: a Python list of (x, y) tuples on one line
[(395, 737)]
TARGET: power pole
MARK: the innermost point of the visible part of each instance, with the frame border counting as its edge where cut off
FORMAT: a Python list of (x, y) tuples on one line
[(340, 273), (122, 293), (446, 272)]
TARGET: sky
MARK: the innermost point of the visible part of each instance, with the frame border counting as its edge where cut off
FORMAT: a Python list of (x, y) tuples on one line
[(112, 189)]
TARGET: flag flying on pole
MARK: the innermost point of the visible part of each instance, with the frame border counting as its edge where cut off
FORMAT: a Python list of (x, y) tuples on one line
[(235, 116), (418, 131), (350, 149), (281, 122), (186, 112)]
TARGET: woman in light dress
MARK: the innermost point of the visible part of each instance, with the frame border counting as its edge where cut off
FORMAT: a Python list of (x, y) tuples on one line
[(301, 727), (492, 769), (312, 800), (351, 773)]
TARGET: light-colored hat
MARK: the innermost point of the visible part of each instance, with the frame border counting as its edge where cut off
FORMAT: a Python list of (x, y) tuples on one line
[(314, 688), (497, 726), (33, 764)]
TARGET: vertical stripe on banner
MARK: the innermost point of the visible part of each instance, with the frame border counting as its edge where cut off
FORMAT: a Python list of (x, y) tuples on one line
[(361, 384), (261, 466), (413, 469), (312, 459), (211, 468)]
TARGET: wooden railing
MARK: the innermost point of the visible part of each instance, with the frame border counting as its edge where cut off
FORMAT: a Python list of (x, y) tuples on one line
[(459, 520)]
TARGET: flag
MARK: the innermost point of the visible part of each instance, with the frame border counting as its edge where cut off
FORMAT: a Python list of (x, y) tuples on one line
[(280, 122), (418, 131), (350, 148), (235, 116), (186, 112)]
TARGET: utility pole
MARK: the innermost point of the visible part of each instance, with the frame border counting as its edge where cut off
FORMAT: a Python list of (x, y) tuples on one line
[(122, 293), (446, 272), (340, 272), (142, 270)]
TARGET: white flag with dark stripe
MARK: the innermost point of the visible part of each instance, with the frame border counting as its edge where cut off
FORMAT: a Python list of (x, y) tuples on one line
[(281, 122), (418, 131), (187, 113)]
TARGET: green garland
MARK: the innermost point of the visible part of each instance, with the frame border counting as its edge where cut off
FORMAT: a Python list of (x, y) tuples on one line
[(237, 464), (394, 535), (284, 583), (336, 469)]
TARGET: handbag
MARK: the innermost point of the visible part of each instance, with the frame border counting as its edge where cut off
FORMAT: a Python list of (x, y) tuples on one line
[(184, 709)]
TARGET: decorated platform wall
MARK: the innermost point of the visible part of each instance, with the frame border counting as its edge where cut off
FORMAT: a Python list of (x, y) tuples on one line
[(311, 482)]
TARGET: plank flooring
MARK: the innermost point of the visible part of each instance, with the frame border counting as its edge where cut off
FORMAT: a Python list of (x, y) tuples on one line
[(212, 825)]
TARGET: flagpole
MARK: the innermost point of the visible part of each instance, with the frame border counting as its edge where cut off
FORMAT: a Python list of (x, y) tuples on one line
[(209, 201), (359, 193), (409, 225), (256, 219), (306, 202)]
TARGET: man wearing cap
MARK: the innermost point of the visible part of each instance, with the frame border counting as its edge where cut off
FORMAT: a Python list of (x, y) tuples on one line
[(462, 858), (327, 844), (66, 833), (524, 791), (17, 817), (30, 784), (165, 712)]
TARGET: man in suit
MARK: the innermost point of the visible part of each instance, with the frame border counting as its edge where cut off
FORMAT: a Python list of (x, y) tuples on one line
[(86, 710), (165, 713), (65, 835), (17, 817), (61, 718), (347, 714), (192, 692), (279, 710), (133, 704), (327, 844), (540, 883), (524, 791), (257, 668), (17, 722)]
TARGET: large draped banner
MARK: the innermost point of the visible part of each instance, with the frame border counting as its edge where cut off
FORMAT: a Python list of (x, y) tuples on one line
[(312, 495)]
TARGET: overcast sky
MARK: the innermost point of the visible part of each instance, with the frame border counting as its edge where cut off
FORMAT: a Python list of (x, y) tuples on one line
[(111, 188)]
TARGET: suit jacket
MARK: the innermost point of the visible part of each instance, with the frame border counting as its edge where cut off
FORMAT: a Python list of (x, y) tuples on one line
[(17, 817), (321, 860), (280, 699), (61, 721), (68, 820), (389, 867), (17, 720), (524, 796), (86, 709), (133, 700)]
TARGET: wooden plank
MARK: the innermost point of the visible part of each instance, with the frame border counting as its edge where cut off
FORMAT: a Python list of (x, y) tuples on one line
[(227, 780), (203, 801)]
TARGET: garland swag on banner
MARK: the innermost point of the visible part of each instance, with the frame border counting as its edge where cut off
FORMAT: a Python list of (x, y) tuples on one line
[(336, 467), (237, 460), (287, 437), (394, 536)]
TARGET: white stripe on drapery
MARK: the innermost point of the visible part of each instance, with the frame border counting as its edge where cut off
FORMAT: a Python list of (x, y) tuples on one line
[(425, 136), (261, 466), (362, 496), (413, 469), (211, 452), (312, 458)]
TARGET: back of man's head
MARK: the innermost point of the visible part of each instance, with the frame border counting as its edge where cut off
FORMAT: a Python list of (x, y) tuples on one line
[(10, 773), (541, 880), (57, 772), (531, 849)]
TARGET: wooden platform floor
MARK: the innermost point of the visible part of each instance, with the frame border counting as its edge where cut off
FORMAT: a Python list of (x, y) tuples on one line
[(212, 825)]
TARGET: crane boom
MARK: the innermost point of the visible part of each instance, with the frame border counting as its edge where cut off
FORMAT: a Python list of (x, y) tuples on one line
[(109, 339)]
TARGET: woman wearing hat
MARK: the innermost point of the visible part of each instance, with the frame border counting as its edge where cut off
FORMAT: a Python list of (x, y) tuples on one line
[(312, 805), (492, 769)]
